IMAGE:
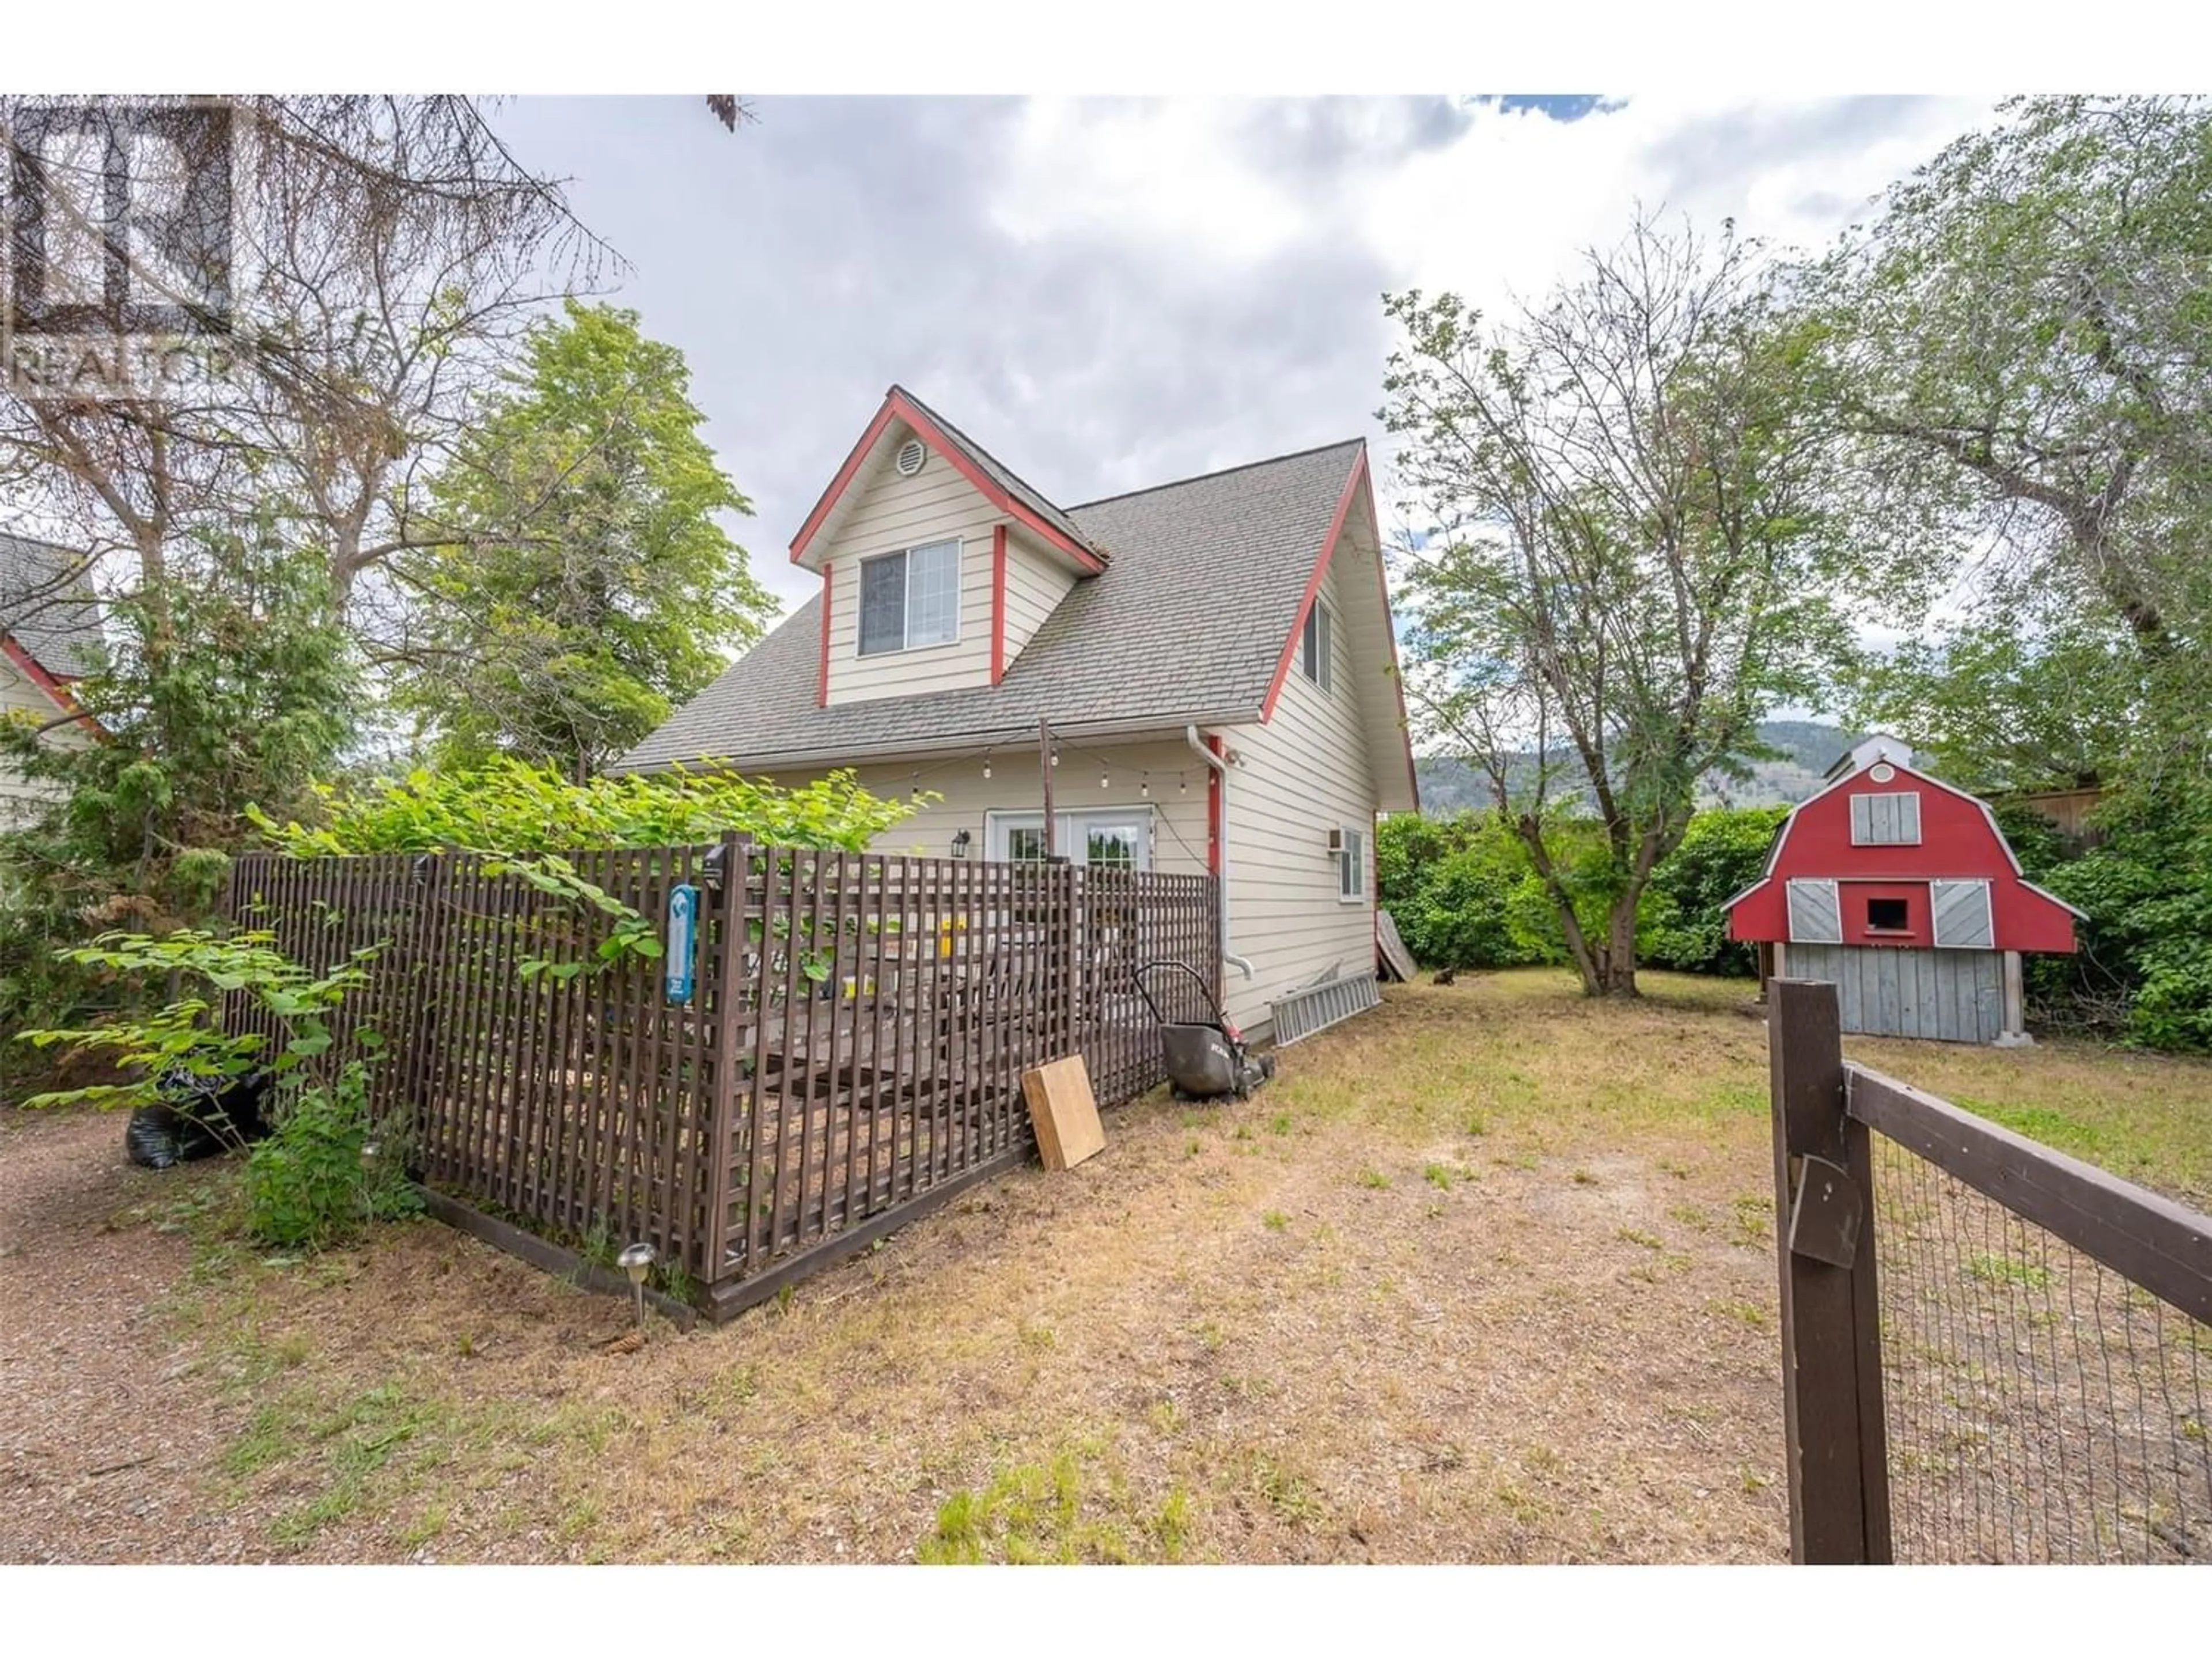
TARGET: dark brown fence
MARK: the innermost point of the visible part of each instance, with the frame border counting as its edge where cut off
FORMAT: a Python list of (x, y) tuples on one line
[(1992, 1351), (851, 1051)]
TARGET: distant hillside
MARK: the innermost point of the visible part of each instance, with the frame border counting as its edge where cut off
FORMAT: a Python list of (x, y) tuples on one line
[(1807, 748)]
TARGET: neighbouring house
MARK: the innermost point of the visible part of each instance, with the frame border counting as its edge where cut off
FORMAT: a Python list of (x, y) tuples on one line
[(1204, 673), (1903, 891), (48, 626)]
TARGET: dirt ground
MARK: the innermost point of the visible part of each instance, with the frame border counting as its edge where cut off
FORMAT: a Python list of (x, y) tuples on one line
[(1486, 1276)]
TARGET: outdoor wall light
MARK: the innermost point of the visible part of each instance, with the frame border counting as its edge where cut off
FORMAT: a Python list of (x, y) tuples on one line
[(636, 1260), (961, 841)]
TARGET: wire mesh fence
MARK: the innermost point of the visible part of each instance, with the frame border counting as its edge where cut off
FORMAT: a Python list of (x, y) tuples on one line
[(2039, 1406)]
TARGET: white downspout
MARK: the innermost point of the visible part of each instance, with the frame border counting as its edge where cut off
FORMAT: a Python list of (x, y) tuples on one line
[(1221, 896)]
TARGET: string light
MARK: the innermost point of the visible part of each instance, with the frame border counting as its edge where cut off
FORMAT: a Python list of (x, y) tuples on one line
[(1182, 784), (1144, 789), (986, 769), (1055, 754), (1102, 782)]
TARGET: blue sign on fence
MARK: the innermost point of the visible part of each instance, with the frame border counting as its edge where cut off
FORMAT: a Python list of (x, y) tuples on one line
[(682, 938)]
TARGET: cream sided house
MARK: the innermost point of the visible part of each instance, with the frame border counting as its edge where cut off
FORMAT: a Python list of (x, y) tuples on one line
[(48, 624), (1207, 669)]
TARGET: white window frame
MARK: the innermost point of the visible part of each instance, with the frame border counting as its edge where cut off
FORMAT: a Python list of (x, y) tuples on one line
[(1074, 826), (906, 642), (1317, 636), (1352, 867)]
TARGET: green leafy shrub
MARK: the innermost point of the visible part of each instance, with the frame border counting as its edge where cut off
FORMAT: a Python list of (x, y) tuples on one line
[(2144, 969), (513, 806), (1681, 924), (1464, 893), (309, 1184)]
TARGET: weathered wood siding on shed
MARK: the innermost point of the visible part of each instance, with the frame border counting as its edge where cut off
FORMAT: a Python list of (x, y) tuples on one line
[(891, 515), (1307, 771), (1953, 996)]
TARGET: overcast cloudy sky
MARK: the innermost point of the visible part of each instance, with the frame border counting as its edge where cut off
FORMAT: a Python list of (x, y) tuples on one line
[(1108, 294)]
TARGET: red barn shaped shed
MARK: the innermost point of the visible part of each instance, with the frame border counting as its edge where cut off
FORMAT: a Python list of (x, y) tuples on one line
[(1902, 890)]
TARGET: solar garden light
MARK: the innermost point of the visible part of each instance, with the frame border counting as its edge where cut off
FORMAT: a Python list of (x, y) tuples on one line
[(636, 1260), (369, 1152)]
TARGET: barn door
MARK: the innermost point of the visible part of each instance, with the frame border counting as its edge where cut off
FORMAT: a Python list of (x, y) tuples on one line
[(1961, 914), (1816, 915)]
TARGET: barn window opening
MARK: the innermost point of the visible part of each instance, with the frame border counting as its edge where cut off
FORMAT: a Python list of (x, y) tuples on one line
[(1887, 916), (1886, 818)]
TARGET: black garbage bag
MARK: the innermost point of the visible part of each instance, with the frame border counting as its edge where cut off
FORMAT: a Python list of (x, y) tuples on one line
[(195, 1118)]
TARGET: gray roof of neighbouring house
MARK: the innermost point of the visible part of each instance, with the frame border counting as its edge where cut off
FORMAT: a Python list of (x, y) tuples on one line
[(1188, 623), (45, 606)]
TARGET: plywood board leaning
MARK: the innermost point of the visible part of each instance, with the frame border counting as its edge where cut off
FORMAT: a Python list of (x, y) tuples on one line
[(1064, 1112)]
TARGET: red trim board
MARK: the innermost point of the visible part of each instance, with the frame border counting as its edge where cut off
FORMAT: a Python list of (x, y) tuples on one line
[(998, 603), (1313, 584), (55, 688), (897, 407), (822, 680)]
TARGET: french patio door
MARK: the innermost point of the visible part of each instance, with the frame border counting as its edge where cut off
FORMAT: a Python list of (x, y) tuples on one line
[(1106, 837)]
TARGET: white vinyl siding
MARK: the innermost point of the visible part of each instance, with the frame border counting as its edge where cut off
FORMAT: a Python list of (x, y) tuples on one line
[(890, 515), (1891, 818), (1960, 914), (1035, 584), (1306, 772), (970, 799), (1816, 915)]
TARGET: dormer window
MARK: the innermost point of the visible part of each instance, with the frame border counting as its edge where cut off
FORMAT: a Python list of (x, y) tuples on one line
[(1313, 645), (910, 599)]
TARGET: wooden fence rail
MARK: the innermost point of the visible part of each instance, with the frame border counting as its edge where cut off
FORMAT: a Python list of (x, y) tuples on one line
[(2049, 1418), (850, 1052)]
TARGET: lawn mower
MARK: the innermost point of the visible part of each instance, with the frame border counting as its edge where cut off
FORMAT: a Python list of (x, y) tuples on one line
[(1203, 1058)]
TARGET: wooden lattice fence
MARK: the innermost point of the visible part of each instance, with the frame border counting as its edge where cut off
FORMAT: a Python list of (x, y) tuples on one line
[(851, 1051)]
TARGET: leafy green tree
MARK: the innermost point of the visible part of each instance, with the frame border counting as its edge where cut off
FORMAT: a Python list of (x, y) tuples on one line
[(2000, 705), (1629, 564), (518, 807), (250, 697), (591, 585), (1723, 852), (2028, 327)]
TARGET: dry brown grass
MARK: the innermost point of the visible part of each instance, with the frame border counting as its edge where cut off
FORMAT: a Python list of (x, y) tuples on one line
[(1486, 1276)]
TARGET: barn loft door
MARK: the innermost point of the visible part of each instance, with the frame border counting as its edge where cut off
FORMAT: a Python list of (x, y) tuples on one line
[(1961, 912), (1816, 914)]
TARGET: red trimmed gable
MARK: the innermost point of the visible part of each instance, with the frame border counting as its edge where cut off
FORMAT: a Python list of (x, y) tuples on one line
[(1958, 842), (898, 407)]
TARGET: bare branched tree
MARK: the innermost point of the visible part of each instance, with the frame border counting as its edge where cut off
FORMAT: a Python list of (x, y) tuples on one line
[(1627, 566)]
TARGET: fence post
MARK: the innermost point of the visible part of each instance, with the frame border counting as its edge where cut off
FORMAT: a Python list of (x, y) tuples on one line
[(726, 1097), (1834, 1443)]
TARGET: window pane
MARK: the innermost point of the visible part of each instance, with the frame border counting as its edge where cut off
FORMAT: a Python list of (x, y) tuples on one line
[(1025, 845), (883, 604), (932, 594), (1313, 645), (1113, 848)]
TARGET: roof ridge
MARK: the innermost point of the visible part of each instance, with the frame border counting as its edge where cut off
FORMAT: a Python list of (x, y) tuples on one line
[(1218, 472)]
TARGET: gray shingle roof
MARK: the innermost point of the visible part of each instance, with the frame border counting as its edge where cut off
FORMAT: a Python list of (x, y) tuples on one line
[(43, 610), (1187, 623)]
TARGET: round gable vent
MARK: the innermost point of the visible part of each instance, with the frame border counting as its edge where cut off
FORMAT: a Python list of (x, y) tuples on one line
[(910, 457), (1881, 772)]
